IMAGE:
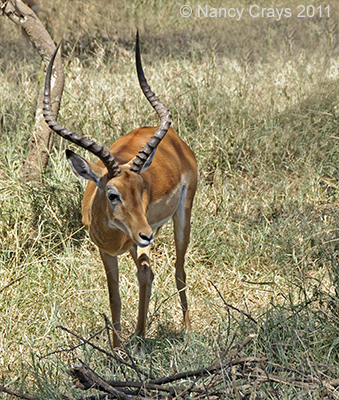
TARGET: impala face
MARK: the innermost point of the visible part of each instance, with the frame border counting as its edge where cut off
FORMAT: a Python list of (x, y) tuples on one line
[(126, 210), (153, 182)]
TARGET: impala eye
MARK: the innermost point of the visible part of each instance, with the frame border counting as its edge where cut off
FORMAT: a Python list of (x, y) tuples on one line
[(113, 197)]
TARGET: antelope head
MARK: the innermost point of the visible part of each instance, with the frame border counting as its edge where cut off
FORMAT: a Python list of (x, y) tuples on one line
[(119, 197)]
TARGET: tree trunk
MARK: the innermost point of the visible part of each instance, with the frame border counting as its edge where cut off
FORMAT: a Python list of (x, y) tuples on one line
[(41, 139)]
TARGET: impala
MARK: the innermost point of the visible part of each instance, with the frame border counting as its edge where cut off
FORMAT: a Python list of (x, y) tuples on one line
[(145, 178)]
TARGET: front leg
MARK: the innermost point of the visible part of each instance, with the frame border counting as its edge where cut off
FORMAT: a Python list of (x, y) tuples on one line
[(112, 274), (145, 279)]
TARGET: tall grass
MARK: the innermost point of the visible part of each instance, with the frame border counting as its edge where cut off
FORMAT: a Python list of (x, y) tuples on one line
[(258, 104)]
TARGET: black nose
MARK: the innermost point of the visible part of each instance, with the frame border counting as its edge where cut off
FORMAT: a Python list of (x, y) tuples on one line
[(145, 237)]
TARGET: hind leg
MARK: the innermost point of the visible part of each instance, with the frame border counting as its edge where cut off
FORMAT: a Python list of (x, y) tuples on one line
[(182, 230)]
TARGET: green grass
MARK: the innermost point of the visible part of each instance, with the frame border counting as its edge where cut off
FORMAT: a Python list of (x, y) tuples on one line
[(258, 104)]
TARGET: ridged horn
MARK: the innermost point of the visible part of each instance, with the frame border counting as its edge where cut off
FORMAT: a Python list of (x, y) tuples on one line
[(88, 144), (163, 112)]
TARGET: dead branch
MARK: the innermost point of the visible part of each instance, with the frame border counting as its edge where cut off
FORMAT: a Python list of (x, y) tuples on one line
[(86, 379), (83, 379), (15, 393)]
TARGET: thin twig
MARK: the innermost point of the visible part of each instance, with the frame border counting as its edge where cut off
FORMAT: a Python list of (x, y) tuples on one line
[(236, 352), (206, 371), (335, 320), (71, 348), (243, 345), (107, 353), (136, 369), (232, 307), (108, 332), (263, 376), (12, 282)]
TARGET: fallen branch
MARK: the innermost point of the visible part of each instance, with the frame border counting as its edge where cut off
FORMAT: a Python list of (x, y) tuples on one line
[(84, 379), (238, 371), (87, 379), (15, 393)]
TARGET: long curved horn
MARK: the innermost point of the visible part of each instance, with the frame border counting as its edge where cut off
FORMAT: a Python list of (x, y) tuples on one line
[(88, 144), (163, 112)]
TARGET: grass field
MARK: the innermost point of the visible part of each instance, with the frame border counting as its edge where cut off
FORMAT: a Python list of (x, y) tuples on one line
[(257, 101)]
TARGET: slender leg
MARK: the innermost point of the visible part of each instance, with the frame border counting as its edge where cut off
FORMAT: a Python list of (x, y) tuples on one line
[(112, 273), (182, 230), (145, 278)]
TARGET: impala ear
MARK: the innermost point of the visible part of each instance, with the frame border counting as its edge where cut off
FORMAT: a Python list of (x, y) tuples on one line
[(84, 169), (149, 161)]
